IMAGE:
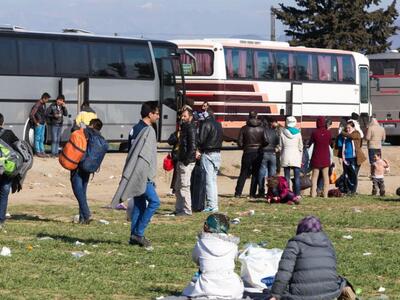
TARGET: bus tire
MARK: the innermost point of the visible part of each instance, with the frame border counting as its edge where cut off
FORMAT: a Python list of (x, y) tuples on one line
[(394, 140), (29, 134)]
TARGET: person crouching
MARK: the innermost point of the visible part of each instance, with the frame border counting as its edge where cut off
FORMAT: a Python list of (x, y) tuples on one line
[(215, 253)]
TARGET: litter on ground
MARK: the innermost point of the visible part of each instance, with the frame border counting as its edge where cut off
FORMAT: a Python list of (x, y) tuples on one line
[(347, 237), (5, 251)]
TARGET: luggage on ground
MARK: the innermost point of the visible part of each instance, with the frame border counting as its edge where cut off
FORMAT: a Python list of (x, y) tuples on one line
[(197, 188)]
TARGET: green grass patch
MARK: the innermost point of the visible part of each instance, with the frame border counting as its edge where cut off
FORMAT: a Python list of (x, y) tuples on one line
[(46, 269)]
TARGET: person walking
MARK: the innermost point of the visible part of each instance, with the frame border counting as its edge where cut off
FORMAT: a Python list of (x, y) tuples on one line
[(80, 178), (209, 152), (85, 116), (321, 157), (291, 145), (375, 136), (9, 138), (251, 140), (55, 114), (348, 146), (37, 117), (186, 162), (268, 163), (139, 173)]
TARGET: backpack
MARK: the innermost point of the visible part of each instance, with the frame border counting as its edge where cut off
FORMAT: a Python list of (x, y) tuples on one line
[(10, 160), (74, 150), (97, 148)]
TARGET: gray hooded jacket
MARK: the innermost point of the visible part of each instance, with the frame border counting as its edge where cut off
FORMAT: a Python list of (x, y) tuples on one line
[(307, 270), (140, 166)]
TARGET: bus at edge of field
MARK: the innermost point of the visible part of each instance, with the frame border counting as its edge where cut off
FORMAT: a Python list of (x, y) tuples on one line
[(114, 74), (385, 92), (237, 76)]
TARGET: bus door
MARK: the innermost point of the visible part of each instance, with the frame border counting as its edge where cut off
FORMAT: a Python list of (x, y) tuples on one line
[(169, 100), (365, 103), (296, 105), (83, 92)]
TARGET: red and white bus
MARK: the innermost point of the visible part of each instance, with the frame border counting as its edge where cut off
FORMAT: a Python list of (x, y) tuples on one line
[(238, 76), (385, 92)]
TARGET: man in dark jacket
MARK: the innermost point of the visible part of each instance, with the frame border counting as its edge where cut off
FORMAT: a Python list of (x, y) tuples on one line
[(5, 182), (268, 163), (185, 165), (38, 120), (209, 153), (251, 139), (55, 115)]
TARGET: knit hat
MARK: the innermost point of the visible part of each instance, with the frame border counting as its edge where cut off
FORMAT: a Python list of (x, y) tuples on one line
[(291, 122), (217, 223), (309, 224), (354, 116)]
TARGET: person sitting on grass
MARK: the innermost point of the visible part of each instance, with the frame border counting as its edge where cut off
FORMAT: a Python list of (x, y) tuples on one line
[(278, 191), (307, 269), (215, 253)]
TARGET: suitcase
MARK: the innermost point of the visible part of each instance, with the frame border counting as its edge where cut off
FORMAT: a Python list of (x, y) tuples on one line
[(198, 188)]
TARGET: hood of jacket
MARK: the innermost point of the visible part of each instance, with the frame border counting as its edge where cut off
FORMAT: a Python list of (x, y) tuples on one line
[(290, 132), (318, 239), (253, 122), (321, 122), (218, 244)]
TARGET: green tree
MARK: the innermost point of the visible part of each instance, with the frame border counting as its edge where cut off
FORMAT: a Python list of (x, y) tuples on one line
[(355, 25)]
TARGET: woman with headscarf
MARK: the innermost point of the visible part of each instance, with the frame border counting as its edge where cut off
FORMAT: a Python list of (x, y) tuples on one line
[(307, 269), (321, 157), (291, 146), (215, 253)]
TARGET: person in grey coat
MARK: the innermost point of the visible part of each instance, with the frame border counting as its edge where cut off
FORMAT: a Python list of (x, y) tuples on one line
[(139, 173), (307, 269)]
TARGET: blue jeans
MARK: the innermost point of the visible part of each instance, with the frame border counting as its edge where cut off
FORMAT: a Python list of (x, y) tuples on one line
[(296, 171), (210, 164), (79, 182), (350, 168), (5, 187), (267, 169), (55, 138), (39, 138), (144, 208)]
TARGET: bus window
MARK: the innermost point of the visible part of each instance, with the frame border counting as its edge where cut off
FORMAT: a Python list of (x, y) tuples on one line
[(263, 65), (71, 59), (137, 62), (306, 67), (364, 85), (36, 57), (348, 69), (385, 67), (8, 57), (106, 61), (238, 63), (203, 65), (285, 67)]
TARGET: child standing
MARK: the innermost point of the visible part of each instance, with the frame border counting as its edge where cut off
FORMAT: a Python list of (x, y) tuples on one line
[(379, 167)]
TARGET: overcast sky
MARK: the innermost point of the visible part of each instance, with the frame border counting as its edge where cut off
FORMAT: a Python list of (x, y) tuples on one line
[(161, 19)]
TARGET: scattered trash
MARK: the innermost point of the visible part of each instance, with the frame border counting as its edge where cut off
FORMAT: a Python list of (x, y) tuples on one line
[(62, 185), (29, 248), (159, 298), (347, 237), (104, 222), (78, 254), (112, 177), (294, 207), (166, 215), (357, 210), (367, 253), (152, 266), (5, 251), (263, 244), (235, 221), (48, 175), (78, 243), (95, 246), (250, 212), (8, 216), (45, 238), (121, 206), (256, 230), (358, 291), (381, 289)]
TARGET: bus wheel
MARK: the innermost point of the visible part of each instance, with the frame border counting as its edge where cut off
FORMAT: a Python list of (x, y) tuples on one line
[(29, 134), (394, 140)]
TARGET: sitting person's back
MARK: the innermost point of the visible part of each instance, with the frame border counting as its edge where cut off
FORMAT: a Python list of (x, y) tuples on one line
[(215, 254), (307, 269)]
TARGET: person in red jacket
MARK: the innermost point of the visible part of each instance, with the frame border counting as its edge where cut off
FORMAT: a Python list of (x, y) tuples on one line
[(321, 157)]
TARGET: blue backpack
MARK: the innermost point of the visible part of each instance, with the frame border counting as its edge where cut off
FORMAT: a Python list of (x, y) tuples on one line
[(97, 148)]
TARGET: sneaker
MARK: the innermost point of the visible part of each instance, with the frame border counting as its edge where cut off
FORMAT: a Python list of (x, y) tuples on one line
[(86, 222), (41, 155), (237, 195), (141, 241), (210, 209)]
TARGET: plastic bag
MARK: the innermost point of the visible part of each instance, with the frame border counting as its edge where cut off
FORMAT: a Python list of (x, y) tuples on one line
[(259, 266), (168, 163)]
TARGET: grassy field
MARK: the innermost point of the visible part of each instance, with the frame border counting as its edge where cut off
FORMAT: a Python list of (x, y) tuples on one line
[(46, 269)]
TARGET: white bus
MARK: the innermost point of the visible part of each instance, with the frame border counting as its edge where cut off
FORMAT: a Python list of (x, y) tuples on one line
[(272, 78), (385, 92), (114, 74)]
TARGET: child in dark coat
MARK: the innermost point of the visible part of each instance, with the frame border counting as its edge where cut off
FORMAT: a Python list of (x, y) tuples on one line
[(278, 191)]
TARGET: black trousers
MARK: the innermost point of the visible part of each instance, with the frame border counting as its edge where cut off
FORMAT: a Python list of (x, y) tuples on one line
[(250, 165)]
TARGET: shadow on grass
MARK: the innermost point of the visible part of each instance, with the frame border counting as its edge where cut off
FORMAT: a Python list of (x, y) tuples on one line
[(72, 240), (387, 199), (167, 291), (26, 217)]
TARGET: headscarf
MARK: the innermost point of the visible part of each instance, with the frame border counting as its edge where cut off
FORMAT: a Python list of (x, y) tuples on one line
[(309, 224), (291, 125), (217, 223), (321, 123)]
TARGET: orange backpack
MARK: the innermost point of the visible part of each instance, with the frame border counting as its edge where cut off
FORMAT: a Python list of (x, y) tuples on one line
[(74, 150)]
